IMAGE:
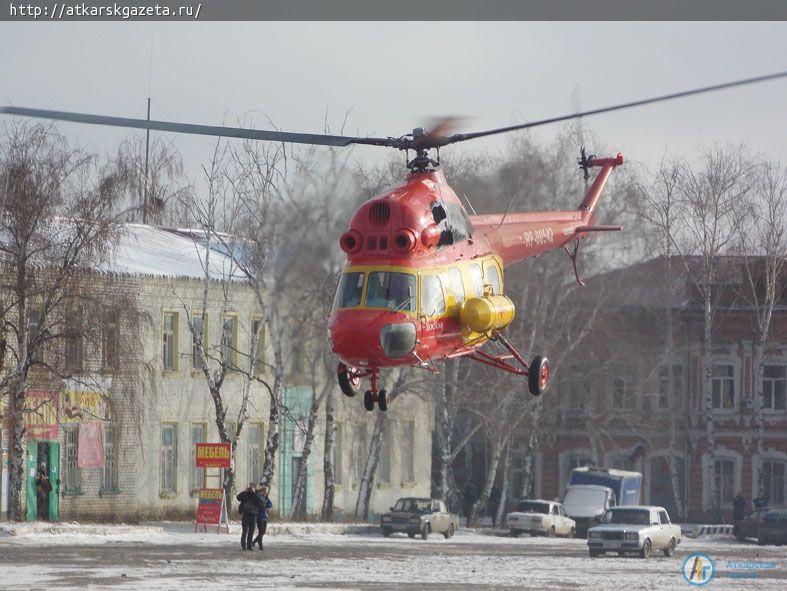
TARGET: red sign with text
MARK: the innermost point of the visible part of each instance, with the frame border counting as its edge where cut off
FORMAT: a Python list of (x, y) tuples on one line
[(209, 506), (213, 455), (40, 415)]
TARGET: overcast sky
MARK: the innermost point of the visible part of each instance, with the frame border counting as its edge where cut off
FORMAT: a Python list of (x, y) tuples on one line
[(394, 76)]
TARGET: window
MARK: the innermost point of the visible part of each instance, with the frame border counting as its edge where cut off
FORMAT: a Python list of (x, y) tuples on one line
[(348, 293), (229, 342), (33, 326), (457, 286), (169, 337), (573, 394), (109, 474), (199, 433), (623, 395), (257, 333), (255, 451), (199, 340), (337, 456), (72, 481), (664, 517), (169, 458), (493, 277), (433, 302), (774, 385), (724, 474), (408, 451), (360, 448), (665, 381), (384, 469), (477, 278), (109, 341), (621, 462), (773, 482), (395, 291), (74, 340), (723, 377)]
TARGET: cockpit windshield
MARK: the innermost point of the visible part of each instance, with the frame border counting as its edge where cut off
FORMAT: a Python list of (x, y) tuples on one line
[(348, 294), (395, 291)]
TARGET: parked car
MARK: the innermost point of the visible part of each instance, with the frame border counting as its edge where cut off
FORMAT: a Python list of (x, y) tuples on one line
[(538, 517), (773, 529), (419, 516), (749, 526), (593, 490), (639, 529)]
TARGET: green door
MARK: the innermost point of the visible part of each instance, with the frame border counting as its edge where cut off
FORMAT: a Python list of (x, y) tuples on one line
[(54, 479), (30, 466)]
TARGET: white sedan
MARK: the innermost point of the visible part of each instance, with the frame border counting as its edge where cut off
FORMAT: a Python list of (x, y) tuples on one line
[(540, 518), (634, 528)]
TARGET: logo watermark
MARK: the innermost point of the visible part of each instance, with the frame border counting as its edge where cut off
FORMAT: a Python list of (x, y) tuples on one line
[(698, 569)]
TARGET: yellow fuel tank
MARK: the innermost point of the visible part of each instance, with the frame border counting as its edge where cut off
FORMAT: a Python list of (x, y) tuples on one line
[(487, 313)]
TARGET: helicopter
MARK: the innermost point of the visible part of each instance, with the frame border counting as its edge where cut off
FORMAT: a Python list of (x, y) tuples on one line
[(424, 280)]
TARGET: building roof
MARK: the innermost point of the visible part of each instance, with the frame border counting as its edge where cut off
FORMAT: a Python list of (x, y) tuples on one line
[(161, 252)]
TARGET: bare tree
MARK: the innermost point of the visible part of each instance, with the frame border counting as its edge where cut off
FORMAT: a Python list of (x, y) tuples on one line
[(58, 208), (764, 249)]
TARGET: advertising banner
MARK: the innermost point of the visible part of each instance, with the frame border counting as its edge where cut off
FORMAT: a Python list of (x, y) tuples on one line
[(209, 507), (41, 415), (90, 447), (213, 455), (84, 405)]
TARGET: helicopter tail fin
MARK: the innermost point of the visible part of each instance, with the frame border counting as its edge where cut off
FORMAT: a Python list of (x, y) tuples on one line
[(607, 165)]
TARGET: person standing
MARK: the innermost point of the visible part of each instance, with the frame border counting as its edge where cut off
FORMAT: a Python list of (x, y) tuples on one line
[(738, 507), (250, 506), (262, 516)]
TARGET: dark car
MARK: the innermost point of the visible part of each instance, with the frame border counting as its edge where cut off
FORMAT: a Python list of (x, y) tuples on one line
[(749, 526), (419, 516), (774, 528)]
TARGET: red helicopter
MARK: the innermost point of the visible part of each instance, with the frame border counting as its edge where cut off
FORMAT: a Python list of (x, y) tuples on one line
[(424, 280)]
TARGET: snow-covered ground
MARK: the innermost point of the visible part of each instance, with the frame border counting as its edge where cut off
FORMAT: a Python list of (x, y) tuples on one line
[(167, 556)]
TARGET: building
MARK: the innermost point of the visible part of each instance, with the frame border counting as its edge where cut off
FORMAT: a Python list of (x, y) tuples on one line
[(633, 401), (138, 400)]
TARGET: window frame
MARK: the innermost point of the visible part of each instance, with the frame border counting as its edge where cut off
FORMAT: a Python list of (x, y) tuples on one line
[(205, 339), (195, 473), (408, 453), (473, 279), (772, 382), (492, 263), (72, 476), (175, 367), (258, 363), (260, 454), (232, 348), (735, 379), (429, 275), (110, 457), (111, 318), (173, 455)]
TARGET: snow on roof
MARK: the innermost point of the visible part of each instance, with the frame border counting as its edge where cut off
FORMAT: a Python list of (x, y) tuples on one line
[(153, 251)]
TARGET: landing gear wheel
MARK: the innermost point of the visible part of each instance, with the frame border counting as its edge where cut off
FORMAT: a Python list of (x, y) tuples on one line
[(382, 400), (538, 375), (368, 400), (349, 382)]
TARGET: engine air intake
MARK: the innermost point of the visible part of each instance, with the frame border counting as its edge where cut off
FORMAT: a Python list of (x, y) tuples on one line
[(379, 213)]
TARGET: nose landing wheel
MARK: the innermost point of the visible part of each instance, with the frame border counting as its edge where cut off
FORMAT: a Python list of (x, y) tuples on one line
[(381, 398)]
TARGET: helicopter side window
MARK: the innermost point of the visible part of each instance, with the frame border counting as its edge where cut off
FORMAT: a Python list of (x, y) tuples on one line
[(477, 278), (457, 286), (433, 302), (493, 277), (395, 291), (348, 294)]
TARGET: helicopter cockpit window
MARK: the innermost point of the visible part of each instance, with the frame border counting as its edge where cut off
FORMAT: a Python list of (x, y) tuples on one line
[(395, 291), (348, 294), (457, 286), (493, 278), (433, 301), (477, 277)]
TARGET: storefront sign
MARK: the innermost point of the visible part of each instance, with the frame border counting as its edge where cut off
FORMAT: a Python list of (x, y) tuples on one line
[(84, 405), (213, 455), (41, 415), (209, 507), (90, 452)]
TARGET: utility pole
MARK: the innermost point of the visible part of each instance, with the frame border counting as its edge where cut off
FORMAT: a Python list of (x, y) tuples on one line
[(145, 189)]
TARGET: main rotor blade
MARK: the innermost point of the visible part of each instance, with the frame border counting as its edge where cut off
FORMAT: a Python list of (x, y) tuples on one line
[(234, 132), (460, 137)]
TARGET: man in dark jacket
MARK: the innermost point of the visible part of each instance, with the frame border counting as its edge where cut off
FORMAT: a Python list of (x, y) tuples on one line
[(250, 507), (262, 516), (738, 507)]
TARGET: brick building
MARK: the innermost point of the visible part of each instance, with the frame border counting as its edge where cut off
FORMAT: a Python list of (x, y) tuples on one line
[(140, 391), (630, 401)]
